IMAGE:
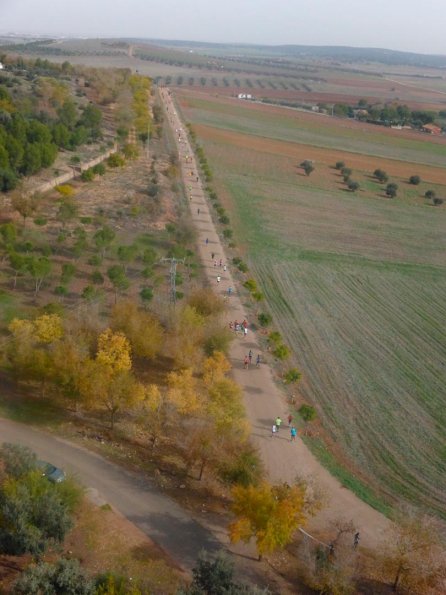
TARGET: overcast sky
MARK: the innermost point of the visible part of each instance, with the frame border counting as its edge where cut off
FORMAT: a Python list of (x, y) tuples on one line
[(412, 25)]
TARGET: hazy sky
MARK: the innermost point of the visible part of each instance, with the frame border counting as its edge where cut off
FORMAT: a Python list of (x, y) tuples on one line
[(412, 25)]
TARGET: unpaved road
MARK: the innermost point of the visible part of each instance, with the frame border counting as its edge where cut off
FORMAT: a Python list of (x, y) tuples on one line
[(135, 497), (283, 459)]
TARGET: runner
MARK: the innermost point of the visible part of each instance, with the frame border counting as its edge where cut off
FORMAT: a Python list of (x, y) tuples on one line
[(250, 356), (274, 430), (293, 433), (246, 362), (278, 422), (258, 361)]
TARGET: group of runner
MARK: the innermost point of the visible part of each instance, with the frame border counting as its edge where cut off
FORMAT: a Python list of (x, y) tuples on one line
[(247, 361), (276, 427)]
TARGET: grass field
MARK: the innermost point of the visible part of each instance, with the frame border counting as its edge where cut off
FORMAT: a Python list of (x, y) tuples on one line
[(355, 282)]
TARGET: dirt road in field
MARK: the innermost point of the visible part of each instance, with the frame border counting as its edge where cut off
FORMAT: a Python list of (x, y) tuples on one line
[(284, 460)]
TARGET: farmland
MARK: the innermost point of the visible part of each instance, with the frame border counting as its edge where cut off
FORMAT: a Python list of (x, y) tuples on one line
[(355, 281)]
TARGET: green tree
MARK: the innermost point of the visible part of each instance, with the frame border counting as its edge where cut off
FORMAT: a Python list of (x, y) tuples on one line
[(430, 194), (103, 238), (146, 295), (415, 180), (39, 269), (381, 175), (118, 279), (391, 190), (18, 263), (127, 254), (353, 186)]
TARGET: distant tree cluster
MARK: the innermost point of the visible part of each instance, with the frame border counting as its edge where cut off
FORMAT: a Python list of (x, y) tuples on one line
[(30, 141)]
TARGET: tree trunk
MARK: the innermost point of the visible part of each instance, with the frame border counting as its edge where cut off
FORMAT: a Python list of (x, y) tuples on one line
[(202, 466), (397, 579)]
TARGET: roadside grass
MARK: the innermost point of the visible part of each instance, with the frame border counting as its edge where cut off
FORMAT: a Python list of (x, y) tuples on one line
[(346, 477), (28, 410)]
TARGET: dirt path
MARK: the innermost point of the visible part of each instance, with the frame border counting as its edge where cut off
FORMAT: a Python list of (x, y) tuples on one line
[(264, 402)]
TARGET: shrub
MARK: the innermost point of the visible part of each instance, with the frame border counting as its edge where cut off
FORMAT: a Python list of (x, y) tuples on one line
[(264, 319), (257, 296), (61, 290), (236, 260), (40, 221), (281, 352), (224, 220), (339, 165), (97, 278), (228, 233), (86, 220), (243, 267), (415, 180), (115, 160), (87, 175), (99, 169), (65, 190), (437, 201), (292, 376), (146, 295), (65, 576), (346, 171), (250, 285), (307, 412), (429, 194), (274, 337)]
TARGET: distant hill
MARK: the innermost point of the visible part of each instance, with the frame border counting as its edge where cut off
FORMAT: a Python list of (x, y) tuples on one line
[(338, 53)]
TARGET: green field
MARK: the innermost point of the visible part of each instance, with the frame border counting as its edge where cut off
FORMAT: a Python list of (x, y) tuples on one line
[(356, 285)]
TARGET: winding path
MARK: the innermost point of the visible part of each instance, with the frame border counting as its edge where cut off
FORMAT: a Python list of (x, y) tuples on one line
[(283, 459)]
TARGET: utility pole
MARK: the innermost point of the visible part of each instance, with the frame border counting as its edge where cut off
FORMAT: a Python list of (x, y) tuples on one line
[(173, 275)]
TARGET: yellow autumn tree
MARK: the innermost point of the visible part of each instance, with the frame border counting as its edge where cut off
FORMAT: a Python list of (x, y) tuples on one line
[(187, 337), (225, 408), (48, 328), (215, 368), (269, 513), (142, 329), (183, 393), (114, 351)]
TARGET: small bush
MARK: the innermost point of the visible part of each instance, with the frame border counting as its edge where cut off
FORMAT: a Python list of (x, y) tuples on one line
[(65, 190), (97, 278), (264, 319), (99, 169), (281, 352), (228, 233), (274, 337), (87, 175), (415, 180), (224, 220), (115, 160), (244, 468), (243, 267), (236, 260), (339, 165), (429, 194), (40, 221), (86, 220), (437, 201), (250, 285), (307, 412), (292, 376)]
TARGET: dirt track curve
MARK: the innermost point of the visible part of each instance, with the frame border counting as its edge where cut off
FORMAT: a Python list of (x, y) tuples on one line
[(283, 459)]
